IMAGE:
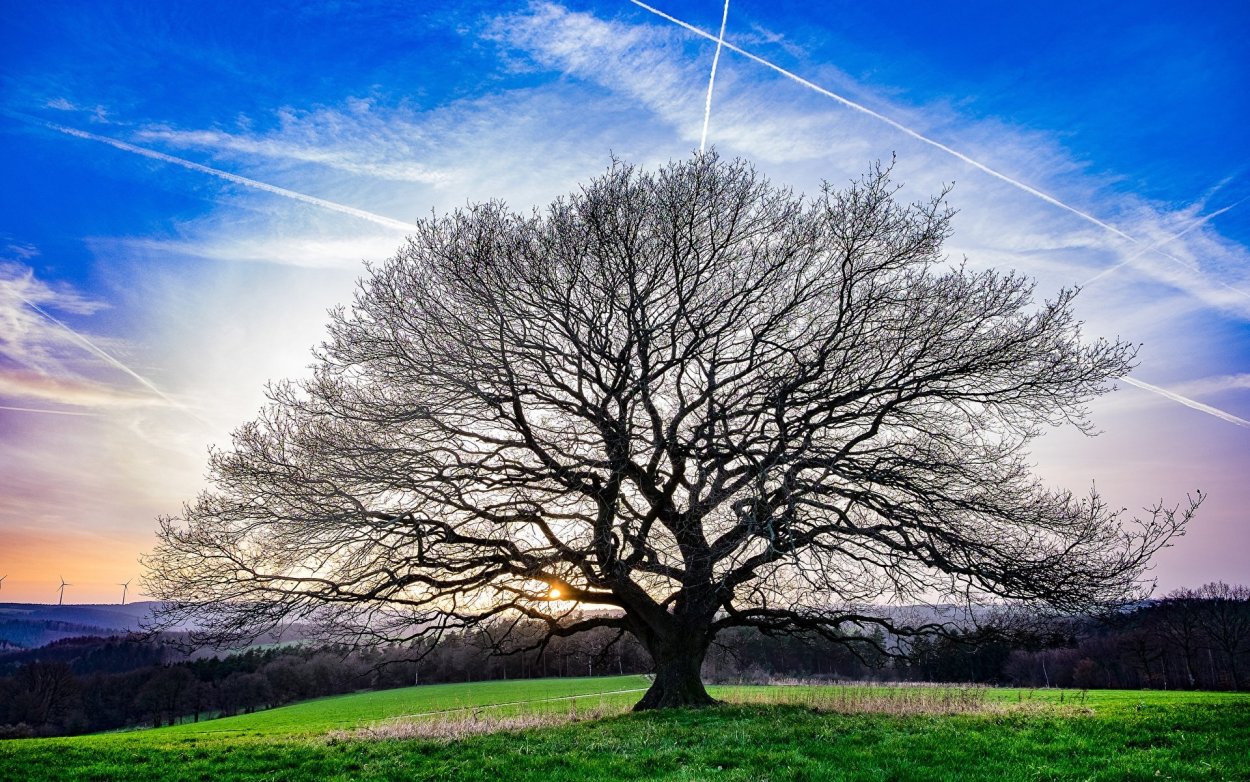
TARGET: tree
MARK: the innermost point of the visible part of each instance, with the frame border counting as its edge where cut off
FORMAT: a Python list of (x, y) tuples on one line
[(44, 695), (1224, 615), (673, 403), (167, 694), (1176, 621)]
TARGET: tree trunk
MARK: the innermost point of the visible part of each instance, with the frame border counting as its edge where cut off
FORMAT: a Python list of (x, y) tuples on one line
[(678, 678)]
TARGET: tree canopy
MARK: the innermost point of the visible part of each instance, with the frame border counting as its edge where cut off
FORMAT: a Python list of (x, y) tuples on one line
[(674, 402)]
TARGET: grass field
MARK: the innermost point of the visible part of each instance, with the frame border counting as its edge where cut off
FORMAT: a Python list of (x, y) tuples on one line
[(345, 712), (770, 733)]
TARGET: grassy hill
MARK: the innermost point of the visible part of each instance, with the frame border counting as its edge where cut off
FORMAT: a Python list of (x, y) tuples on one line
[(770, 733), (345, 712)]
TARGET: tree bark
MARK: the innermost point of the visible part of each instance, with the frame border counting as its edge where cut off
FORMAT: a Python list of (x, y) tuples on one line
[(678, 680)]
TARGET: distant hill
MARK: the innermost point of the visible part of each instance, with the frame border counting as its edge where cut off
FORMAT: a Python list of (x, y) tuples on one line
[(31, 625), (25, 626)]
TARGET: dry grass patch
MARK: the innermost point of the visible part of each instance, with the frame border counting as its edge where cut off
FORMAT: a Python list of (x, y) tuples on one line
[(900, 699), (450, 726)]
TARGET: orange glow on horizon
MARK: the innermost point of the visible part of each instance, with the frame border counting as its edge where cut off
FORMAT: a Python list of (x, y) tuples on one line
[(93, 564)]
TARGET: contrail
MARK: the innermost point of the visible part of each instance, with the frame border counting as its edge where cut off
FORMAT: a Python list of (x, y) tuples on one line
[(114, 362), (48, 412), (1196, 223), (1184, 400), (229, 177), (896, 125), (707, 108)]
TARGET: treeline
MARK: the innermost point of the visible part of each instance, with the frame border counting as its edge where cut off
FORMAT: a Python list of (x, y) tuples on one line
[(1192, 639), (22, 633)]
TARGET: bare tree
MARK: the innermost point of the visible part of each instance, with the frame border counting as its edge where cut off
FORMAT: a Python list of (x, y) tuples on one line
[(1223, 611), (674, 402), (1178, 623)]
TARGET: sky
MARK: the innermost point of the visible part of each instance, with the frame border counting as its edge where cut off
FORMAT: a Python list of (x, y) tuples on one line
[(188, 187)]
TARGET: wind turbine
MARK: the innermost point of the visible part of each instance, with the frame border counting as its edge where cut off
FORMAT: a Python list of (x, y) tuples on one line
[(2, 578), (60, 599), (124, 587)]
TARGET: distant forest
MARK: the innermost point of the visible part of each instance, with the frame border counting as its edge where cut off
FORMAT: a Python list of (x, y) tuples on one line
[(1192, 639)]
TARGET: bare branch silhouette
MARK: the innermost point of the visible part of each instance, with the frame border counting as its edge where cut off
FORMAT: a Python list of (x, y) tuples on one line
[(673, 403)]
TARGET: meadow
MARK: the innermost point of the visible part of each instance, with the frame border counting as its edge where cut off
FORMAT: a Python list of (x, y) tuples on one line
[(581, 729)]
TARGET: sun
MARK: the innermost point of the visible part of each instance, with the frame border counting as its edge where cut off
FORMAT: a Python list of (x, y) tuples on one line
[(554, 594)]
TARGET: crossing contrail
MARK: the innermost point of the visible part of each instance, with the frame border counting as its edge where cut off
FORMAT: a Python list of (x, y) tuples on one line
[(1195, 224), (229, 177), (113, 361), (1184, 400), (711, 81), (892, 123)]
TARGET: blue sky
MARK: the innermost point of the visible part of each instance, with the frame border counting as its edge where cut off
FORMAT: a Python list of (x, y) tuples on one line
[(196, 276)]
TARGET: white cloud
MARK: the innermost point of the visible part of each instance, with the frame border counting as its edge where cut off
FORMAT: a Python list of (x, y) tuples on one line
[(345, 250), (364, 147), (19, 251), (763, 36), (26, 384), (1216, 384)]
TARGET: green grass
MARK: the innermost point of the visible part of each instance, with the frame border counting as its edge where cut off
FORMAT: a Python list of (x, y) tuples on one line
[(344, 712), (1027, 735)]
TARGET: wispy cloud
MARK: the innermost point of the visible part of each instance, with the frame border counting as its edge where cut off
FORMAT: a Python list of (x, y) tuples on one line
[(27, 384), (1216, 385), (42, 355), (95, 349), (523, 146), (25, 338), (320, 138), (316, 248), (323, 203), (762, 35), (19, 250)]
